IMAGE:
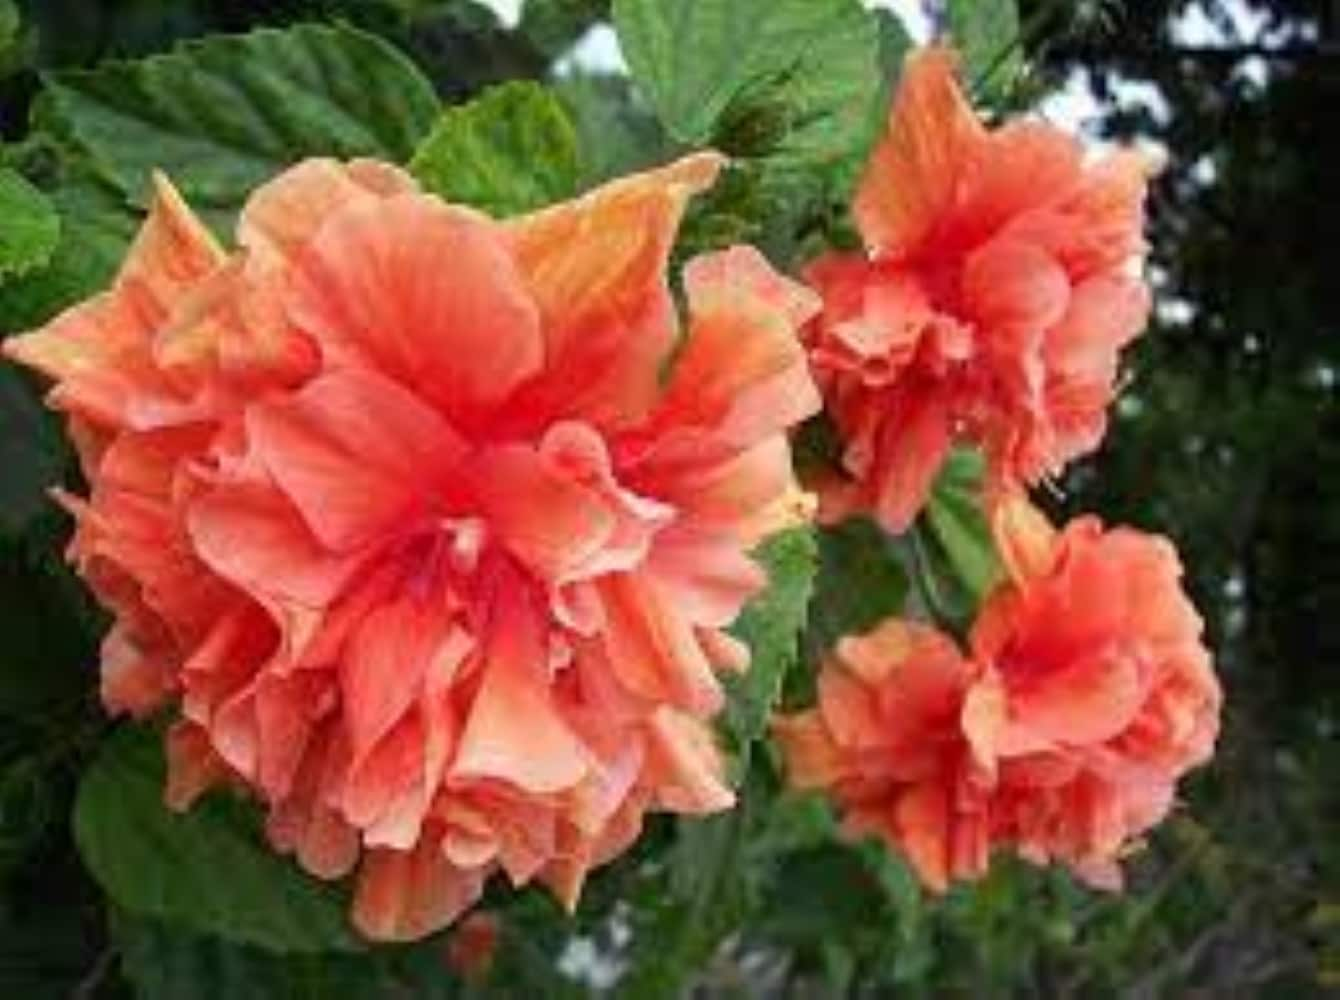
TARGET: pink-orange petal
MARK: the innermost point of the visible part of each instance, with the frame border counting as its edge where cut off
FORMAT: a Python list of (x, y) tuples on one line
[(462, 336), (914, 173), (282, 215), (514, 732), (356, 453), (597, 270), (405, 895)]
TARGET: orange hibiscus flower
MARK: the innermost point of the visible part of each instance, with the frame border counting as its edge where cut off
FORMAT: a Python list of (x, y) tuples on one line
[(1086, 695), (443, 519), (996, 291)]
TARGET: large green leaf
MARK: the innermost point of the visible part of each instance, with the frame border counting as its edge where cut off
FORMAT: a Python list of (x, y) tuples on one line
[(206, 870), (29, 226), (771, 625), (509, 151), (798, 79), (223, 114), (987, 34)]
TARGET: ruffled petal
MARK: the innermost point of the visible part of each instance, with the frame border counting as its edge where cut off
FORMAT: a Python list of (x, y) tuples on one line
[(596, 268), (742, 371), (914, 174), (405, 895), (514, 732), (463, 336), (356, 453), (282, 216)]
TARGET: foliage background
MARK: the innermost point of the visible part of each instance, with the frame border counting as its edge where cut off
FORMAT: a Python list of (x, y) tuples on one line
[(1227, 438)]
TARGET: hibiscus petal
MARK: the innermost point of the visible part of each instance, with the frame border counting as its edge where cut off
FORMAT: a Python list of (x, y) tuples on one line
[(915, 171), (282, 215), (404, 895), (652, 647), (514, 732), (550, 523), (742, 371), (813, 760), (101, 350), (444, 312), (192, 765), (250, 534), (132, 680), (913, 444), (387, 661), (597, 270), (922, 821), (1015, 292), (704, 574), (850, 711), (1105, 313), (356, 453), (1084, 703), (691, 777), (390, 771)]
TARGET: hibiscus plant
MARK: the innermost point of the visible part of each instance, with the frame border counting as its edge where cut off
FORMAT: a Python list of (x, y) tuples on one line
[(576, 533)]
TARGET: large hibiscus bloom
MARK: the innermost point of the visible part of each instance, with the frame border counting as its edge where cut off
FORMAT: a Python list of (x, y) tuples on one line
[(1087, 693), (997, 287), (462, 512)]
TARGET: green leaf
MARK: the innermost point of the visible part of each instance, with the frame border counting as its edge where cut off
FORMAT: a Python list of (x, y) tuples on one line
[(97, 225), (615, 133), (800, 77), (224, 114), (987, 35), (206, 870), (894, 43), (29, 226), (708, 895), (861, 581), (509, 151), (164, 962), (771, 625), (959, 524), (31, 453)]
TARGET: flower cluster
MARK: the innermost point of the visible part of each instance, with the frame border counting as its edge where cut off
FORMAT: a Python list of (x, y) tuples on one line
[(1086, 694), (998, 286), (426, 527)]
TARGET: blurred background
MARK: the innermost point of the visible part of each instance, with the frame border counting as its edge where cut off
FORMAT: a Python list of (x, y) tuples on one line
[(1227, 438)]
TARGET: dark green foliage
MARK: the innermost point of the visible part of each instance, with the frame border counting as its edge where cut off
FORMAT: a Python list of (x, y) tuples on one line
[(165, 963), (222, 115), (207, 870)]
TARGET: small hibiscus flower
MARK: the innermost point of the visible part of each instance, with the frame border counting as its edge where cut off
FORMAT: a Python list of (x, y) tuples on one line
[(1086, 694), (998, 284)]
